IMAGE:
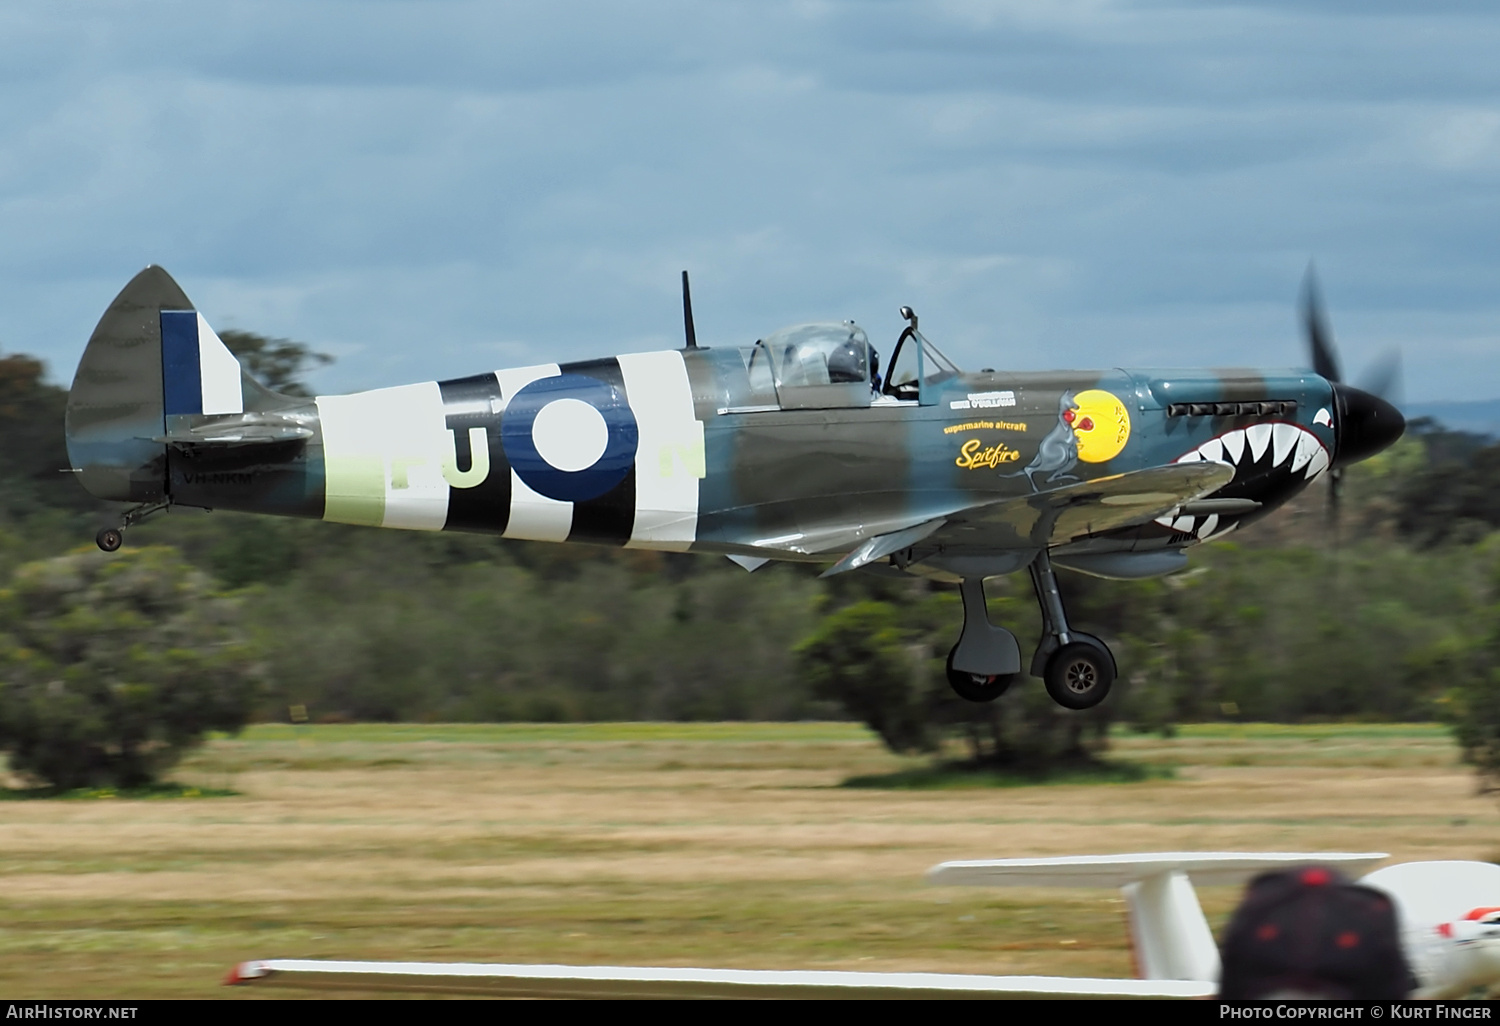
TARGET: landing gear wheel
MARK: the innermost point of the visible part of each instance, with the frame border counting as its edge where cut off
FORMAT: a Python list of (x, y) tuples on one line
[(977, 687), (109, 539), (1079, 676)]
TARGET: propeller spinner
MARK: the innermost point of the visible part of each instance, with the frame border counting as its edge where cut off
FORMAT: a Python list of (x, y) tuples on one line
[(1364, 422)]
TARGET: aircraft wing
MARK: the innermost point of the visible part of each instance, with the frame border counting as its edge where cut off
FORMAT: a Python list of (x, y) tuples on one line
[(603, 981), (1207, 868), (1060, 515)]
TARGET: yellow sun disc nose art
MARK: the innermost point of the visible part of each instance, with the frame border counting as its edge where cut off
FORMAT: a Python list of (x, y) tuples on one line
[(1102, 425)]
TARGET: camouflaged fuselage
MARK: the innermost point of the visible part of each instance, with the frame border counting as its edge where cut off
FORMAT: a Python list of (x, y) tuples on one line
[(697, 449)]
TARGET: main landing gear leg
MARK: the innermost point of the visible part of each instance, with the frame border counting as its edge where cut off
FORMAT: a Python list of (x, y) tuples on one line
[(986, 659), (1078, 668), (111, 538)]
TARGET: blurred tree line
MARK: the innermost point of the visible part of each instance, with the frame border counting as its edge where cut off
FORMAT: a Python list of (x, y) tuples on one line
[(1277, 623)]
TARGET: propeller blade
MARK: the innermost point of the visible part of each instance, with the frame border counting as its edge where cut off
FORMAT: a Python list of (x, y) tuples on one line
[(1325, 359), (1383, 376), (1335, 488)]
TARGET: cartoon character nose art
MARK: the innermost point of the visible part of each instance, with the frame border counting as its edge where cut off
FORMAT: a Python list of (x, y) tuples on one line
[(1101, 424)]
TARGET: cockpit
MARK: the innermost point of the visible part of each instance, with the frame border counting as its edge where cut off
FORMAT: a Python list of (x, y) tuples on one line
[(831, 364), (815, 366)]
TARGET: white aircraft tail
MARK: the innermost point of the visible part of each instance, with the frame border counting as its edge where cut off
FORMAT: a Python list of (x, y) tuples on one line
[(1168, 931), (1450, 922)]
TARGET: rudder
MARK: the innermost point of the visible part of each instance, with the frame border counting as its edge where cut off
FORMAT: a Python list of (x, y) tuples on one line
[(115, 407)]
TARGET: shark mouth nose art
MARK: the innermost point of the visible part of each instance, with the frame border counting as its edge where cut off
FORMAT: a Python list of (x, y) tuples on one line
[(1267, 458)]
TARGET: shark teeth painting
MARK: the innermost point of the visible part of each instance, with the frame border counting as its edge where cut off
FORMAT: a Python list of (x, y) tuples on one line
[(1279, 450)]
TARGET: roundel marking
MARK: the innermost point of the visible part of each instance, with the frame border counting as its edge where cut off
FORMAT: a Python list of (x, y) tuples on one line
[(570, 437), (1101, 424)]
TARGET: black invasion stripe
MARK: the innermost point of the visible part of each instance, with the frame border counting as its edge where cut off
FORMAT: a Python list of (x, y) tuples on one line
[(467, 403), (610, 518)]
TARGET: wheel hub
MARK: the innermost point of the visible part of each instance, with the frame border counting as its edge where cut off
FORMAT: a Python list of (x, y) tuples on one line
[(1081, 676)]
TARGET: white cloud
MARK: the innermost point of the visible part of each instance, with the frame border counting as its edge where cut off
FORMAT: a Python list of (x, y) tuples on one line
[(427, 188)]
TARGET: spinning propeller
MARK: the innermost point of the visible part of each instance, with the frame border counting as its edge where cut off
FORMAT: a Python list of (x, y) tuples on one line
[(1364, 419)]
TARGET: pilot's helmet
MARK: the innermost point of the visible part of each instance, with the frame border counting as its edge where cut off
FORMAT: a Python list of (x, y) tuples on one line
[(849, 361)]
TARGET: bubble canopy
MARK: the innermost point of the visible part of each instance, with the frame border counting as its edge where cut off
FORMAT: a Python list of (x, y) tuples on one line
[(822, 353)]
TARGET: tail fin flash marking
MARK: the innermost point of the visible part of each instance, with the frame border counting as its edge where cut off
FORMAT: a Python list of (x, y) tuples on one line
[(199, 373)]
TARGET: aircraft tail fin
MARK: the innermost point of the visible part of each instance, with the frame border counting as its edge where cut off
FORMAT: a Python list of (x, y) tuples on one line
[(1168, 931), (1445, 910), (153, 369)]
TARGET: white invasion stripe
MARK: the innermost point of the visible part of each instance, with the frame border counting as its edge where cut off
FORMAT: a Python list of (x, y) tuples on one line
[(532, 515), (670, 460), (1259, 436), (517, 378), (1284, 440), (535, 516), (580, 980), (1306, 446), (219, 373), (417, 440), (1234, 444), (383, 457)]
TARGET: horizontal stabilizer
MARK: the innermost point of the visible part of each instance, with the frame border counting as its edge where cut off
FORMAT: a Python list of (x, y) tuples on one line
[(239, 429), (630, 982), (1211, 868)]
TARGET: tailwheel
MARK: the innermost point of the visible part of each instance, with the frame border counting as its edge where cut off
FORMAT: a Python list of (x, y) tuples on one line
[(109, 539), (977, 687), (1079, 675)]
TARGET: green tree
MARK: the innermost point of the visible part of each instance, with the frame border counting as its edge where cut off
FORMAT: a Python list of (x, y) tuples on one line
[(863, 657), (112, 668), (1472, 705), (884, 662), (34, 454), (278, 363)]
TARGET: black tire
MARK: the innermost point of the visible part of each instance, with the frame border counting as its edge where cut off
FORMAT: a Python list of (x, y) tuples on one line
[(109, 539), (977, 687), (1079, 675)]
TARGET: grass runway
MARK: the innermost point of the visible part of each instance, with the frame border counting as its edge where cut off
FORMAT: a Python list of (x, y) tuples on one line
[(726, 845)]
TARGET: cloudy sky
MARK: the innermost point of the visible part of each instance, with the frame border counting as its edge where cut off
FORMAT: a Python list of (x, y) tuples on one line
[(428, 189)]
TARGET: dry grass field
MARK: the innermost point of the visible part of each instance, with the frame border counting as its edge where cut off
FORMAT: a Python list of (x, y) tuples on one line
[(659, 844)]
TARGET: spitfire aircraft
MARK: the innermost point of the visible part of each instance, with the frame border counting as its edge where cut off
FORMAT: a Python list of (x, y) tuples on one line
[(793, 448)]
